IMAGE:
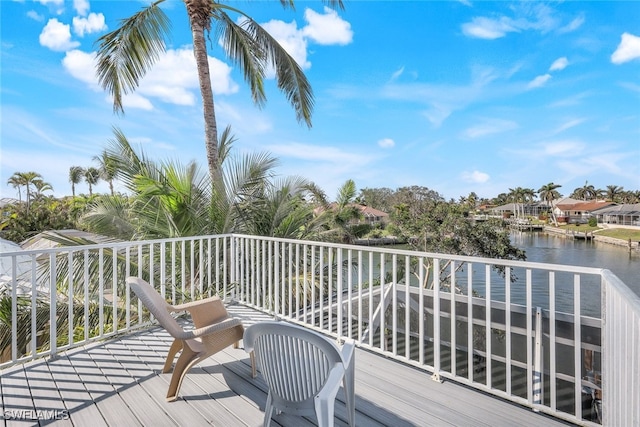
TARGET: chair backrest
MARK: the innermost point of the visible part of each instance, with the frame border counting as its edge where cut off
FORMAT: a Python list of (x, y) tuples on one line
[(294, 361), (156, 305)]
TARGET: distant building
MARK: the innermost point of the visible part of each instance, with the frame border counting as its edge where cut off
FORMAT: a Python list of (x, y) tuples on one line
[(624, 214)]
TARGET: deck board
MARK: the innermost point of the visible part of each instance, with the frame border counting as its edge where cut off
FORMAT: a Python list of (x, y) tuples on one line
[(119, 382)]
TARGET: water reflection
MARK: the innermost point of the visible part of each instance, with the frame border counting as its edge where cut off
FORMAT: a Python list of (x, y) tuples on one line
[(542, 247)]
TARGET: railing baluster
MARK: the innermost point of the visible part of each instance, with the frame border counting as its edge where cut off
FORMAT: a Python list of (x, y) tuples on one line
[(53, 310), (394, 306), (529, 314), (577, 346), (487, 299), (507, 305), (470, 350), (552, 340)]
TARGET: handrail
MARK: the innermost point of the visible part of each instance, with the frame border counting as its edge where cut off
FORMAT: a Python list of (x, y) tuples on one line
[(454, 316)]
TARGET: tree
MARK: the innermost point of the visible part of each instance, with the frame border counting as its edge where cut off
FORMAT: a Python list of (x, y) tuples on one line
[(106, 167), (173, 200), (377, 198), (613, 193), (126, 54), (76, 174), (41, 187), (24, 179), (586, 192), (91, 177), (548, 193), (16, 182), (441, 227)]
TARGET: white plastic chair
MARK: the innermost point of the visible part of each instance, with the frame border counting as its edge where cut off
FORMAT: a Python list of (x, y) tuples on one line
[(303, 370)]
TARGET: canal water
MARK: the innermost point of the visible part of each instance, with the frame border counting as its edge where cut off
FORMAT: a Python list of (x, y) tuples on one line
[(548, 248)]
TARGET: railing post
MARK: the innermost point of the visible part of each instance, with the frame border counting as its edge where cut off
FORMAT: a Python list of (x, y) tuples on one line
[(538, 360)]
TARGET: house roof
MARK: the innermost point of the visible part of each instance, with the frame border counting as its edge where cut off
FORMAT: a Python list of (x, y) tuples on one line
[(623, 209), (584, 206), (366, 211)]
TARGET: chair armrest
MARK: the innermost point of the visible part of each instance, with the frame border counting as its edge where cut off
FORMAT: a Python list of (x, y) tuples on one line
[(226, 323), (347, 351), (204, 312), (332, 385)]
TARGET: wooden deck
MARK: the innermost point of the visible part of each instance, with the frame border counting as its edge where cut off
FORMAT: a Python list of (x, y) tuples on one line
[(118, 383)]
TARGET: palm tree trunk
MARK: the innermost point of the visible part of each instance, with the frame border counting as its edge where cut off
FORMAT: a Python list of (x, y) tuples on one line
[(199, 21)]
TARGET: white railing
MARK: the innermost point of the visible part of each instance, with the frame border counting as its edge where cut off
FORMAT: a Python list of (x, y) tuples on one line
[(427, 310)]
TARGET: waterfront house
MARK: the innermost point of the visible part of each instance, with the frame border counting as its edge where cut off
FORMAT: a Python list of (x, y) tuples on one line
[(569, 210), (623, 214)]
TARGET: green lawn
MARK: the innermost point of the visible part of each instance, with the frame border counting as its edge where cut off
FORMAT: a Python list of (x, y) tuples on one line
[(621, 233), (616, 233)]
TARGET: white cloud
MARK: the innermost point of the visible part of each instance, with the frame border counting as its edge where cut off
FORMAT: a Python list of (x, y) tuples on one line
[(173, 79), (57, 36), (134, 100), (526, 16), (81, 65), (81, 7), (386, 143), (397, 74), (316, 153), (563, 148), (91, 24), (485, 28), (476, 177), (573, 25), (627, 50), (56, 5), (490, 127), (35, 16), (51, 2), (569, 124), (539, 81), (559, 64), (291, 39), (327, 28)]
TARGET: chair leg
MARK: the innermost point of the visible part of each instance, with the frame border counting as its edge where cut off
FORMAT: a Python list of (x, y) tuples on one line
[(254, 372), (268, 411), (187, 359), (348, 383), (324, 411), (176, 346)]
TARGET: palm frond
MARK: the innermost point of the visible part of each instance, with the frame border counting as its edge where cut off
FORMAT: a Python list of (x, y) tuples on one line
[(126, 54), (244, 51)]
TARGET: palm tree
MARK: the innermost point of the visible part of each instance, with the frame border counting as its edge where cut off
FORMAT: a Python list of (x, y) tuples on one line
[(614, 193), (106, 167), (173, 200), (338, 217), (26, 179), (91, 177), (16, 181), (76, 174), (41, 187), (586, 192), (548, 193), (127, 53)]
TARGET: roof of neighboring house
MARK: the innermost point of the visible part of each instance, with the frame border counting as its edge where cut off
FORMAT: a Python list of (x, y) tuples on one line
[(371, 212), (8, 201), (584, 206), (366, 211), (623, 209)]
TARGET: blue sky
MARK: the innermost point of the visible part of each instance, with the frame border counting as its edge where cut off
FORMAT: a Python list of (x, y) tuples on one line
[(457, 96)]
